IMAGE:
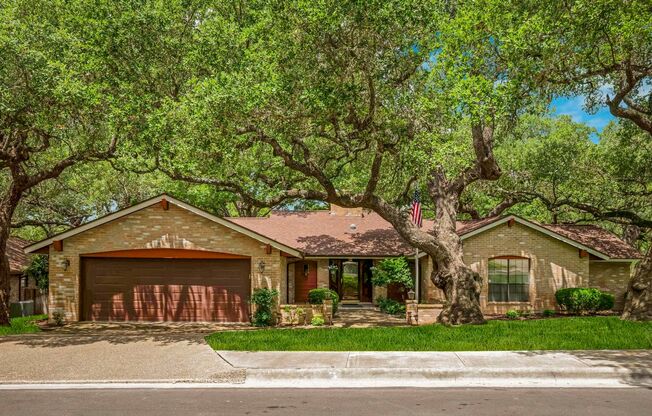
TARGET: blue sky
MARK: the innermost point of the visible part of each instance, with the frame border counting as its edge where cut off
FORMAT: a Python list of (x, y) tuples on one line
[(574, 107)]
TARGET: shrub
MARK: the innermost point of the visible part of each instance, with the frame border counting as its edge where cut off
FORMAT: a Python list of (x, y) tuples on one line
[(317, 297), (390, 306), (606, 301), (582, 300), (524, 313), (264, 300), (549, 312), (38, 270), (511, 314), (392, 270), (58, 318), (317, 320)]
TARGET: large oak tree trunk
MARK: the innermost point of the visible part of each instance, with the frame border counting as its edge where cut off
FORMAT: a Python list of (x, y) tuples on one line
[(5, 286), (638, 305), (460, 284), (7, 208)]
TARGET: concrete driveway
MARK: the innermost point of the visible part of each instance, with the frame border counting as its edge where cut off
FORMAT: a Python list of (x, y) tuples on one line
[(99, 353)]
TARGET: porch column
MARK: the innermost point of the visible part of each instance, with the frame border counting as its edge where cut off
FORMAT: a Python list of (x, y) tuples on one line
[(322, 273)]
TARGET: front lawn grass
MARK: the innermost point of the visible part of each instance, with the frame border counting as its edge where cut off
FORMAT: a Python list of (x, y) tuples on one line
[(590, 333), (24, 325)]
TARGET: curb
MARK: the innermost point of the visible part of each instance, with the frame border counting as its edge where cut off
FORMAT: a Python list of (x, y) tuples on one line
[(409, 377)]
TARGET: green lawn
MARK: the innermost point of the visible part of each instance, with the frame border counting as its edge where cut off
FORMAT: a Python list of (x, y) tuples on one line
[(546, 334), (26, 325)]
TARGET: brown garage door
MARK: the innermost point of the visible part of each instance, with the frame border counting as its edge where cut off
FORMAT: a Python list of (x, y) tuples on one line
[(123, 289)]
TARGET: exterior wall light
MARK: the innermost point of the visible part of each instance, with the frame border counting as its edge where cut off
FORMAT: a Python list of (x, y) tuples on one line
[(66, 264), (261, 266)]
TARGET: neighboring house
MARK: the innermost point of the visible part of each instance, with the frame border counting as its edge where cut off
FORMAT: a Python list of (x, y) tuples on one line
[(22, 288), (164, 259)]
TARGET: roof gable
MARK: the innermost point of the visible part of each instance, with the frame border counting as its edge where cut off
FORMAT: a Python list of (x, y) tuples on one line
[(156, 200), (592, 239)]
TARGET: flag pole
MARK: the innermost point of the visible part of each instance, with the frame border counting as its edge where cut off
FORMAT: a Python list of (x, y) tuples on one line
[(417, 278)]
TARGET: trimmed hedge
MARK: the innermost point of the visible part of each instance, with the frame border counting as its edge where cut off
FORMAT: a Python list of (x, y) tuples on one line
[(583, 300), (390, 306), (317, 296)]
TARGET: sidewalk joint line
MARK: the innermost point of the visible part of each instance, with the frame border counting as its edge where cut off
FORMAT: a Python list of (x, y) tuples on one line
[(461, 359), (225, 360)]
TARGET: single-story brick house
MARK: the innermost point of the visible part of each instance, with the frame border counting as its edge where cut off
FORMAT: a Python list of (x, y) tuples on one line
[(164, 259)]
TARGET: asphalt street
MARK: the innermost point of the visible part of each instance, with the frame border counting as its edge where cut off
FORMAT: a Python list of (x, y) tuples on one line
[(315, 402)]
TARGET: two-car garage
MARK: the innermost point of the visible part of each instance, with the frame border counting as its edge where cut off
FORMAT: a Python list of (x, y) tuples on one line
[(161, 260), (141, 289)]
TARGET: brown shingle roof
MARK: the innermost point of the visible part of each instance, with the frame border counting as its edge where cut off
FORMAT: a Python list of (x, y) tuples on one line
[(17, 258), (597, 238), (320, 233)]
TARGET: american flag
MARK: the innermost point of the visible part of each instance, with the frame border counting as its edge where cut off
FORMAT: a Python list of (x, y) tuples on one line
[(417, 215)]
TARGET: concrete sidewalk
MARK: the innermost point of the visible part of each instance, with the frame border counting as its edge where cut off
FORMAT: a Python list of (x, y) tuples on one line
[(444, 369), (112, 357)]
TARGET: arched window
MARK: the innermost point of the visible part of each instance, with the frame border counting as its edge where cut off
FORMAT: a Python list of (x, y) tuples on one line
[(509, 279)]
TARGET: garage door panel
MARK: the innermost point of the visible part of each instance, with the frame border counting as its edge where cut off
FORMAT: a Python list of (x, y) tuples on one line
[(166, 290)]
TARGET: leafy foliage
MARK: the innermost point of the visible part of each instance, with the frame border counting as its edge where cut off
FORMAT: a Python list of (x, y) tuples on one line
[(512, 314), (318, 295), (390, 306), (582, 300), (317, 320), (38, 270), (265, 300), (393, 270)]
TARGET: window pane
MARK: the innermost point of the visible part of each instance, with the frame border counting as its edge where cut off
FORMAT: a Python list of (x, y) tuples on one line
[(498, 269), (497, 292), (518, 293), (509, 280), (519, 271)]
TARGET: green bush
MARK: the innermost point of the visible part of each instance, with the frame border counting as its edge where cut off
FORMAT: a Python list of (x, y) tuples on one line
[(264, 300), (38, 270), (549, 312), (390, 306), (58, 318), (392, 270), (583, 300), (606, 301), (512, 314), (317, 320), (524, 313), (317, 296)]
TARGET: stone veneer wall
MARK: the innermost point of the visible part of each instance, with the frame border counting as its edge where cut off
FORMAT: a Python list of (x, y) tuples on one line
[(323, 279), (611, 277), (154, 227)]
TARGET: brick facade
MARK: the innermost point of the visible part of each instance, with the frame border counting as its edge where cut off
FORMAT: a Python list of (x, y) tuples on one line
[(154, 227), (553, 265), (611, 277)]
